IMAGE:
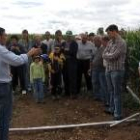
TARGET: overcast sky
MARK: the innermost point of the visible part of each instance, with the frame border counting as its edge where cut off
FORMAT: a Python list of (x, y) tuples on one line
[(38, 16)]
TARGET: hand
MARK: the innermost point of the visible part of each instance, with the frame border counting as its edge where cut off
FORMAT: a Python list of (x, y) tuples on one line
[(52, 71), (34, 51), (13, 47)]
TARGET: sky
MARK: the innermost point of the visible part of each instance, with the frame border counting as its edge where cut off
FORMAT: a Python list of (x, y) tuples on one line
[(38, 16)]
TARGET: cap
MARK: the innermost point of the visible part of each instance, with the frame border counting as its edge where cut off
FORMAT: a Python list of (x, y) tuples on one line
[(44, 56), (69, 33), (78, 37)]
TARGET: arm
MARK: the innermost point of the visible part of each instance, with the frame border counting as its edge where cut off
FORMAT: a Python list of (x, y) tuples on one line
[(13, 59), (31, 73), (43, 73), (120, 48)]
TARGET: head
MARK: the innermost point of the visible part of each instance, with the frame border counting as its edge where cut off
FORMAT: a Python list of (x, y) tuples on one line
[(3, 36), (69, 35), (47, 35), (14, 39), (84, 38), (25, 34), (97, 41), (112, 31), (91, 37), (58, 35), (37, 39), (36, 59), (105, 40), (77, 37), (56, 49)]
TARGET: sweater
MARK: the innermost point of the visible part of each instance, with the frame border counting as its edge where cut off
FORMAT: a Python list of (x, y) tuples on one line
[(37, 71)]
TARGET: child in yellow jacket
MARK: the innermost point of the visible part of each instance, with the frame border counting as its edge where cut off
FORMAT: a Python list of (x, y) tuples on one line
[(55, 68)]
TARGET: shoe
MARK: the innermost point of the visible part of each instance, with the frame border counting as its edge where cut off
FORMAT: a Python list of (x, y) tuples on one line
[(73, 97), (107, 111), (24, 92), (58, 97), (54, 98), (117, 118), (29, 89)]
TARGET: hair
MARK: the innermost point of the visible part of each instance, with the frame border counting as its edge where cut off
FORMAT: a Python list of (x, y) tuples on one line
[(14, 37), (97, 37), (112, 27), (105, 38), (91, 34), (25, 31), (2, 30), (58, 32), (47, 32)]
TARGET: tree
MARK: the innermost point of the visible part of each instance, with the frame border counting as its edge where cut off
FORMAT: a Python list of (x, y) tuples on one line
[(100, 31)]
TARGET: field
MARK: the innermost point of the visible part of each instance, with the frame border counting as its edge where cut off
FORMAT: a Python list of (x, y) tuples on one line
[(27, 113)]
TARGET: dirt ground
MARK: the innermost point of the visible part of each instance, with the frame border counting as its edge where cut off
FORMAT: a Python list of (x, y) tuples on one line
[(27, 113)]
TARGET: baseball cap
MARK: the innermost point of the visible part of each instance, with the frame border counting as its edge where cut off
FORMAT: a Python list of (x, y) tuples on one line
[(69, 33)]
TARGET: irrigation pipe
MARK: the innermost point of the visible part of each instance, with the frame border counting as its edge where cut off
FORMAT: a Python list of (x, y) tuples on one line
[(55, 127), (133, 94), (125, 119)]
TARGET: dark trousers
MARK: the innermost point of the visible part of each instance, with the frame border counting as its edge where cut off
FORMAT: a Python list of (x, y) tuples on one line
[(56, 84), (83, 67), (5, 109), (70, 76), (18, 74)]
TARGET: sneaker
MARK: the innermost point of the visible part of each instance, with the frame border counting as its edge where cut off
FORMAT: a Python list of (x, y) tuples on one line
[(54, 98), (29, 89), (24, 92), (117, 118), (107, 111)]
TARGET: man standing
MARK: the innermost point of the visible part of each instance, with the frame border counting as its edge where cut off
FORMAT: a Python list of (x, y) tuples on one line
[(26, 44), (86, 50), (57, 41), (8, 58), (98, 71), (48, 41), (114, 55), (70, 48)]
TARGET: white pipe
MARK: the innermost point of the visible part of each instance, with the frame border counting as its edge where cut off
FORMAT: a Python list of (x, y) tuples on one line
[(64, 126), (125, 119), (133, 94)]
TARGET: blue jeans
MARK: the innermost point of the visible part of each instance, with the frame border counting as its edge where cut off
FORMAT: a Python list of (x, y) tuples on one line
[(114, 83), (5, 109), (99, 85), (38, 89)]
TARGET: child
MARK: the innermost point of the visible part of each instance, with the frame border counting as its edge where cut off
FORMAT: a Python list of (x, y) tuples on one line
[(45, 61), (55, 67), (37, 77)]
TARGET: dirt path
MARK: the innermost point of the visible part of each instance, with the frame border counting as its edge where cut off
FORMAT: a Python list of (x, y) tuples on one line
[(67, 111)]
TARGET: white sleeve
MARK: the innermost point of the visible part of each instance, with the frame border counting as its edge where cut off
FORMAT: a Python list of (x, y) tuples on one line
[(11, 58)]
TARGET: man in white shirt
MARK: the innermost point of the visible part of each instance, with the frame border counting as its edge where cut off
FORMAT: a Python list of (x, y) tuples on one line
[(48, 40), (86, 51), (8, 58)]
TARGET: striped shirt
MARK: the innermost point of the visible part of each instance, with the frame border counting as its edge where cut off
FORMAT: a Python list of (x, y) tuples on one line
[(115, 54)]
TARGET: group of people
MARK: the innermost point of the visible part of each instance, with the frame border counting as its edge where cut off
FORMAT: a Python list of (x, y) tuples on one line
[(59, 65)]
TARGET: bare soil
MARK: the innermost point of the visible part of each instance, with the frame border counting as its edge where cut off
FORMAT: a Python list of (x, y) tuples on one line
[(27, 113)]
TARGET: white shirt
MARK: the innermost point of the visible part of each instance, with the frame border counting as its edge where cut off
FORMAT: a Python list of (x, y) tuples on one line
[(8, 58), (85, 51), (48, 43)]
